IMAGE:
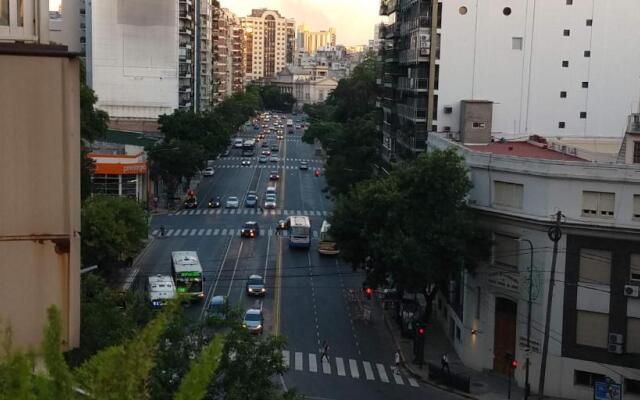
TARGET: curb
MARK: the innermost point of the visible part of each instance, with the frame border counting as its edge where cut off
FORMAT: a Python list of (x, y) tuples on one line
[(126, 286), (417, 375)]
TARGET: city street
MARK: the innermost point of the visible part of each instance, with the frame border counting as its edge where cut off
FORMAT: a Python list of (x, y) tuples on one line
[(308, 296)]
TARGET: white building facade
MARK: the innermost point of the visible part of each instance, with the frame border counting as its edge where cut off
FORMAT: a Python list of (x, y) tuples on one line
[(518, 187), (566, 68)]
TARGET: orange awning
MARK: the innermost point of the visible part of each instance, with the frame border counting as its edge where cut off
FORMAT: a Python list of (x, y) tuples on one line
[(120, 169)]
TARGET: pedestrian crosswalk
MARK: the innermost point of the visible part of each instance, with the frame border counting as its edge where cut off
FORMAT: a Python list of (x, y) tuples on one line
[(188, 232), (270, 165), (310, 160), (250, 211), (346, 367)]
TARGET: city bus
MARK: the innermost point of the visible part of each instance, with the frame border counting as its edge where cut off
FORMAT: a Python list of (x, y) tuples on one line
[(299, 229), (248, 147), (327, 245), (187, 274)]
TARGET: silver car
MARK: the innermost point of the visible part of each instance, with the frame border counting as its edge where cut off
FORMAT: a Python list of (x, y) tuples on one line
[(270, 202), (253, 321), (255, 286), (232, 202)]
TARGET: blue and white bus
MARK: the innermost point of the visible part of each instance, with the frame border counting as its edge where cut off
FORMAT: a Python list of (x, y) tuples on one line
[(299, 229)]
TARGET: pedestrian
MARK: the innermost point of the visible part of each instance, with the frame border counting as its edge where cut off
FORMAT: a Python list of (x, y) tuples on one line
[(397, 361), (162, 229), (444, 363), (324, 351)]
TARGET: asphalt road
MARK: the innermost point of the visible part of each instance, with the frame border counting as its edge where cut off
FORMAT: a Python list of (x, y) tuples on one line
[(308, 296)]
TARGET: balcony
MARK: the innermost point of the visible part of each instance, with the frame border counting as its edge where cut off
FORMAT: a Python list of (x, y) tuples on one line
[(185, 89), (413, 112), (184, 72), (414, 56), (417, 85), (388, 7)]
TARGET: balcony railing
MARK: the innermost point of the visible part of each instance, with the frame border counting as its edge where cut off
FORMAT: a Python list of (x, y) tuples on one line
[(413, 84), (388, 7), (412, 112)]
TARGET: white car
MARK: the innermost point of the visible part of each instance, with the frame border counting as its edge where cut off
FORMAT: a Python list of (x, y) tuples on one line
[(209, 171), (232, 202), (253, 321), (270, 202), (274, 159), (238, 143)]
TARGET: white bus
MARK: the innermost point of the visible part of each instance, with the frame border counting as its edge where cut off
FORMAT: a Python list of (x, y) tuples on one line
[(161, 289), (187, 274), (299, 229), (327, 245)]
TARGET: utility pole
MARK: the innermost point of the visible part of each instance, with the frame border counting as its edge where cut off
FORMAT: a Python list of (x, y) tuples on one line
[(527, 388), (555, 234)]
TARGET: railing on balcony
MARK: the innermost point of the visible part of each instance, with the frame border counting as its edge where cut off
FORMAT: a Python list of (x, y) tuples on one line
[(387, 7), (413, 84), (413, 112)]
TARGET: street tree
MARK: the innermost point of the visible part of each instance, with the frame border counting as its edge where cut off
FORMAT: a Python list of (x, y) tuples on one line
[(113, 230), (176, 161), (413, 227), (355, 96), (274, 99), (195, 383)]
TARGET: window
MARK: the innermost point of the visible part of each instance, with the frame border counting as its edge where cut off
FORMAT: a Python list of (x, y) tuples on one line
[(636, 152), (595, 266), (516, 43), (561, 124), (4, 12), (565, 64), (592, 329), (478, 125), (566, 32), (587, 53), (506, 250), (569, 2), (634, 267), (506, 11), (585, 85), (632, 338), (589, 22), (563, 94), (583, 114), (507, 194), (598, 204), (585, 378)]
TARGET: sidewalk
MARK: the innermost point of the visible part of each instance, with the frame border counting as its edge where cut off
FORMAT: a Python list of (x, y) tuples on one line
[(485, 385)]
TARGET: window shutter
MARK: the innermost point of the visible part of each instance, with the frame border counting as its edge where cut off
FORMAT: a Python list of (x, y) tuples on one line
[(634, 268), (606, 204), (595, 267), (589, 203), (592, 329)]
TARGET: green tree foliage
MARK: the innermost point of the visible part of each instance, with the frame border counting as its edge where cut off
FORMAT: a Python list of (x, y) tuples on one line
[(273, 99), (356, 96), (87, 166), (93, 122), (113, 229), (59, 385), (16, 379), (176, 161), (109, 317), (414, 224), (196, 382)]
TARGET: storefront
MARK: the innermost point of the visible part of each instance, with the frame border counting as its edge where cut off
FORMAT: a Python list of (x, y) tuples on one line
[(121, 175)]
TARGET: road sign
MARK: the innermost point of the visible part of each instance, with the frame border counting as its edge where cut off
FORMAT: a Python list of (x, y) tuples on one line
[(607, 390)]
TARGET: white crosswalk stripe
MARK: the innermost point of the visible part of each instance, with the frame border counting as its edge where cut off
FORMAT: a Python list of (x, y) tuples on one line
[(382, 373), (208, 232), (397, 377), (169, 232), (313, 365), (192, 212), (224, 232), (200, 232), (215, 232), (193, 232), (368, 372), (353, 367), (326, 367), (315, 234), (413, 382), (198, 212), (155, 232), (298, 365), (340, 366), (232, 232), (178, 232)]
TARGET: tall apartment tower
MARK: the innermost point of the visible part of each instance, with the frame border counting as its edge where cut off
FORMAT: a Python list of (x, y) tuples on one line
[(204, 68), (269, 43), (186, 54), (312, 41), (562, 68), (228, 42)]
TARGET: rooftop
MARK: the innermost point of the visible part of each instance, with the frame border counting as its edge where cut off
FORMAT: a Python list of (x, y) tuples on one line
[(522, 149)]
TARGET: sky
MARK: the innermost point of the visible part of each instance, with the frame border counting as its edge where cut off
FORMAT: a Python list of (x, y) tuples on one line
[(353, 19)]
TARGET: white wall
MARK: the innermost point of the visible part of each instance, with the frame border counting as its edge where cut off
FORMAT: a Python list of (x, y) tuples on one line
[(135, 57), (477, 62)]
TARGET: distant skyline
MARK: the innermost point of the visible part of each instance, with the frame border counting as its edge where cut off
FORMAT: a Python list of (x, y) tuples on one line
[(354, 20)]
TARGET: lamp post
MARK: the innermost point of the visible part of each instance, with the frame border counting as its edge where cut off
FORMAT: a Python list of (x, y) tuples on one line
[(526, 376)]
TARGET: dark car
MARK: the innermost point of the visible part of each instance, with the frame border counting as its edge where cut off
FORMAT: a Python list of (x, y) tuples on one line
[(264, 144), (304, 165), (274, 176), (255, 286), (191, 202), (251, 201), (275, 148), (250, 229), (215, 203)]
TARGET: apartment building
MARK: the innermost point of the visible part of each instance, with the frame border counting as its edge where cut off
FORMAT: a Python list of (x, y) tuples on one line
[(269, 43), (518, 187), (310, 41), (40, 114), (228, 44), (204, 99), (543, 67)]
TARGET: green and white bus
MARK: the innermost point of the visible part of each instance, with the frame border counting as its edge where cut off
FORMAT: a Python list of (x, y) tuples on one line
[(187, 274)]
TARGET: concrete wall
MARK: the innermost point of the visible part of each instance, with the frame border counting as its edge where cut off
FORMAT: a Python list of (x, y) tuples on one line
[(40, 202), (134, 57), (478, 61)]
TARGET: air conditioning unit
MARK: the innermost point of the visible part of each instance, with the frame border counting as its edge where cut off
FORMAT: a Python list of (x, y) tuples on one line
[(615, 348), (448, 110), (631, 291), (616, 338)]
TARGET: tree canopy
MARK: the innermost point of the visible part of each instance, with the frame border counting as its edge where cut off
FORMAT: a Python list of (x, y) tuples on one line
[(273, 99)]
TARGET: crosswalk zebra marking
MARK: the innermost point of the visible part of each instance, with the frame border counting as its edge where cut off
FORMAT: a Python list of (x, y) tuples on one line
[(224, 232), (215, 232), (208, 232), (313, 365), (340, 366), (397, 377), (198, 212), (326, 367), (178, 232), (298, 365), (413, 382), (193, 232), (382, 373), (155, 232), (200, 232), (285, 358), (169, 232), (353, 367), (368, 372)]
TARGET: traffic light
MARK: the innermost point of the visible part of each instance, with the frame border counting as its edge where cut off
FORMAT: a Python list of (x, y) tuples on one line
[(421, 330), (514, 364), (368, 291)]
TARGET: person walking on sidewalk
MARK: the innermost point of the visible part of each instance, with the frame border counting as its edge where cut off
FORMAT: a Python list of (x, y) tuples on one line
[(397, 361), (324, 351), (444, 364)]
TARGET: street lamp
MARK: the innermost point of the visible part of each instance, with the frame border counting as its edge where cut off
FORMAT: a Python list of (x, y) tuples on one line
[(526, 376)]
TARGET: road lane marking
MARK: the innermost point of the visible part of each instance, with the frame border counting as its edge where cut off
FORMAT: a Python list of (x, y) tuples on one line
[(313, 365), (235, 268), (193, 232), (285, 358), (224, 232), (201, 232), (215, 284), (353, 367), (368, 372), (382, 373), (178, 232), (198, 212), (233, 232), (192, 212), (169, 232), (413, 382), (215, 232), (155, 232), (340, 366), (326, 367), (208, 232), (397, 377), (298, 365)]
